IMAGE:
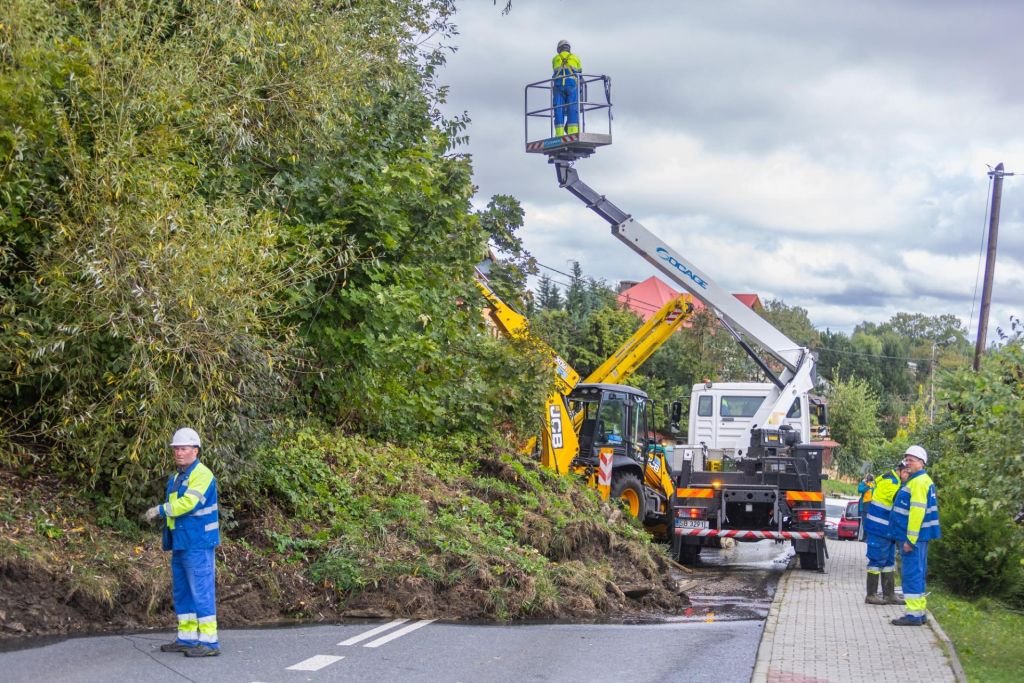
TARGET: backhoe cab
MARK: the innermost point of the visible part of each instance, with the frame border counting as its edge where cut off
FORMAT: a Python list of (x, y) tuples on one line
[(617, 451)]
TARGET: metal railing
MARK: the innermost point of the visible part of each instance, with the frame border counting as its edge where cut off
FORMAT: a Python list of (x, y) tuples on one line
[(595, 115)]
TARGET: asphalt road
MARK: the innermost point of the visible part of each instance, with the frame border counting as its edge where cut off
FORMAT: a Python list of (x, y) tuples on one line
[(715, 640)]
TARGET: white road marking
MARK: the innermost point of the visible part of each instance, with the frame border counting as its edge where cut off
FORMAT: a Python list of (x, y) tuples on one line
[(372, 632), (314, 663), (399, 633)]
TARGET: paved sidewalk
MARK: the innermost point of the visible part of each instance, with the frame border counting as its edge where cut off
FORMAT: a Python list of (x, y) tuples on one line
[(820, 631)]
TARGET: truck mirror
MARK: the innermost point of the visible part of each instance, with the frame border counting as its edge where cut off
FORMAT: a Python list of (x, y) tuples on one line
[(677, 413)]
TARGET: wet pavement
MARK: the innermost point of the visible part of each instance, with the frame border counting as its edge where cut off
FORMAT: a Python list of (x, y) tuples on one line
[(735, 583)]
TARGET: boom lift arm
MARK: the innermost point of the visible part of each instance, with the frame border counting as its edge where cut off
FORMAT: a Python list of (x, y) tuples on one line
[(797, 362)]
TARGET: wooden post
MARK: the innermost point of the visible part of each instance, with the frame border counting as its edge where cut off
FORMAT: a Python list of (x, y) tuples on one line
[(990, 262)]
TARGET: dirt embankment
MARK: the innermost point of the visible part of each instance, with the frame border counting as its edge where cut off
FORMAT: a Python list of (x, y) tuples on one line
[(62, 574)]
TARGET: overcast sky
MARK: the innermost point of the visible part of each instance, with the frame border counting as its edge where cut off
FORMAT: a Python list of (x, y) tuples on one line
[(830, 154)]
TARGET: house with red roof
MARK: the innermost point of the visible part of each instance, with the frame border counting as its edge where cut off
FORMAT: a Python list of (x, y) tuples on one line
[(647, 297)]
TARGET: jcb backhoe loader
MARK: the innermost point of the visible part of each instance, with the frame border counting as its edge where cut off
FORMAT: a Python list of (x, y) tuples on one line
[(601, 431)]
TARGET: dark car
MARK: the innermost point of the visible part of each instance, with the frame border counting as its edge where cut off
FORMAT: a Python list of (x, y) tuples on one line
[(849, 523)]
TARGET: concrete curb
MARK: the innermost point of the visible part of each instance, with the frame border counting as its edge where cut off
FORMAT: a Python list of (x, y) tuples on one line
[(771, 622), (954, 660)]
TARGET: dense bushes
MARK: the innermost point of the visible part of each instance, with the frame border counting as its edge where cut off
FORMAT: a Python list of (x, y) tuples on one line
[(226, 215), (978, 465), (981, 548)]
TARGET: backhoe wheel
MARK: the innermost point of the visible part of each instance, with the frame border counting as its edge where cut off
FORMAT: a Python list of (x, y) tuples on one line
[(627, 490)]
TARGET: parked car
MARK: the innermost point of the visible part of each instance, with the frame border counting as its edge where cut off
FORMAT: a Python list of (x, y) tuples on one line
[(849, 523), (834, 509)]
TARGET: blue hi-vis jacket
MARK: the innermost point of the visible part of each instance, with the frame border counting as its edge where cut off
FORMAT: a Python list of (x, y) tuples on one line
[(877, 515), (915, 511), (191, 509)]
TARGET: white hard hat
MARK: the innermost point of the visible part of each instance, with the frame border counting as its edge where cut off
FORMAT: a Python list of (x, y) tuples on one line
[(186, 437), (918, 452)]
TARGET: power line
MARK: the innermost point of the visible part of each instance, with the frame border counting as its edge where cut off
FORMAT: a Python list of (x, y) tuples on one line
[(981, 250), (653, 307)]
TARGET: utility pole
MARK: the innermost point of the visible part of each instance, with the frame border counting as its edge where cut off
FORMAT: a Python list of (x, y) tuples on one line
[(990, 260), (931, 388)]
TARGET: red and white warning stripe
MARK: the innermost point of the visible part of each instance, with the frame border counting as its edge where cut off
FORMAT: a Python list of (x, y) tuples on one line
[(604, 469), (751, 535)]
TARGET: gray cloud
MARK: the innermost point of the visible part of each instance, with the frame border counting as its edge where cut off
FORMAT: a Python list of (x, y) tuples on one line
[(829, 154)]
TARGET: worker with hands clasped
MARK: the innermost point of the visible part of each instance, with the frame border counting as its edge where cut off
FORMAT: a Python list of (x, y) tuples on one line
[(191, 532), (565, 93), (881, 544), (915, 521)]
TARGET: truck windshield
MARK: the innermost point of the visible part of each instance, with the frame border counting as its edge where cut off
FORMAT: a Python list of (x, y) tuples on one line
[(740, 406)]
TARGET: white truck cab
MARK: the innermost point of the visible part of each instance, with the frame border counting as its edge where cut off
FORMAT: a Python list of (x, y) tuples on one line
[(722, 414)]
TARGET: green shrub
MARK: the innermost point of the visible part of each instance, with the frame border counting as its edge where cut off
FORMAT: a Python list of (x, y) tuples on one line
[(980, 550)]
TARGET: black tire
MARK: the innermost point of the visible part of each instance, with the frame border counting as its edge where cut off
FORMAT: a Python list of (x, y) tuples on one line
[(627, 491)]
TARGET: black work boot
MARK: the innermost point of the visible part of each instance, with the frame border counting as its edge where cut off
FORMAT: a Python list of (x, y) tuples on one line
[(889, 589), (202, 651), (872, 597), (174, 647)]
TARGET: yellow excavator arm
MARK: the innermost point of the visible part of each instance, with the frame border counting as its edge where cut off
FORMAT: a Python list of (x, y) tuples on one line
[(560, 429), (559, 439), (644, 342)]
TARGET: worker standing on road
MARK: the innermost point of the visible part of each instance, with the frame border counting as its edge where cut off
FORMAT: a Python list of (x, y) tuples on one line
[(881, 551), (565, 94), (915, 519), (865, 488), (191, 533)]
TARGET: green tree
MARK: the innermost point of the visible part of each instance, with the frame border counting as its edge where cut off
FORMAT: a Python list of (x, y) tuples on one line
[(225, 214), (853, 422), (792, 321), (548, 295), (501, 221), (976, 459)]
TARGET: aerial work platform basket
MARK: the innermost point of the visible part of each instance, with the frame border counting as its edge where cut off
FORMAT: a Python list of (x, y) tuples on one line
[(594, 107)]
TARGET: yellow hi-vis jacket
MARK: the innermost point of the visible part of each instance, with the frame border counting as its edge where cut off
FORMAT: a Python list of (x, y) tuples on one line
[(565, 64)]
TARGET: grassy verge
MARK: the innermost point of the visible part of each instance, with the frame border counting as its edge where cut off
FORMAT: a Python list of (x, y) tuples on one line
[(834, 487), (989, 638)]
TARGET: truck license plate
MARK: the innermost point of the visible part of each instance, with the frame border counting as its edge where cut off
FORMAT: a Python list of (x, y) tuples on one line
[(693, 523)]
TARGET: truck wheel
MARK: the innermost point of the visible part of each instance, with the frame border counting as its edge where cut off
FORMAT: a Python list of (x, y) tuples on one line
[(627, 490)]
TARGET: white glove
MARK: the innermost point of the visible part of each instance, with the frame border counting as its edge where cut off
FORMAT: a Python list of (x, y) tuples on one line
[(152, 513)]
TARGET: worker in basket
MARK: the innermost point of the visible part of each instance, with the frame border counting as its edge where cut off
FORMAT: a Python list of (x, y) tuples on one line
[(565, 93)]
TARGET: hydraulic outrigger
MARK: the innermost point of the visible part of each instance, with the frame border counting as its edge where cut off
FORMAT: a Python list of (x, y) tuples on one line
[(775, 490)]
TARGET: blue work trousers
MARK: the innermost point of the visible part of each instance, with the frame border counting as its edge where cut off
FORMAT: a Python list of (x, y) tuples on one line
[(195, 596), (881, 554), (565, 98), (915, 571)]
